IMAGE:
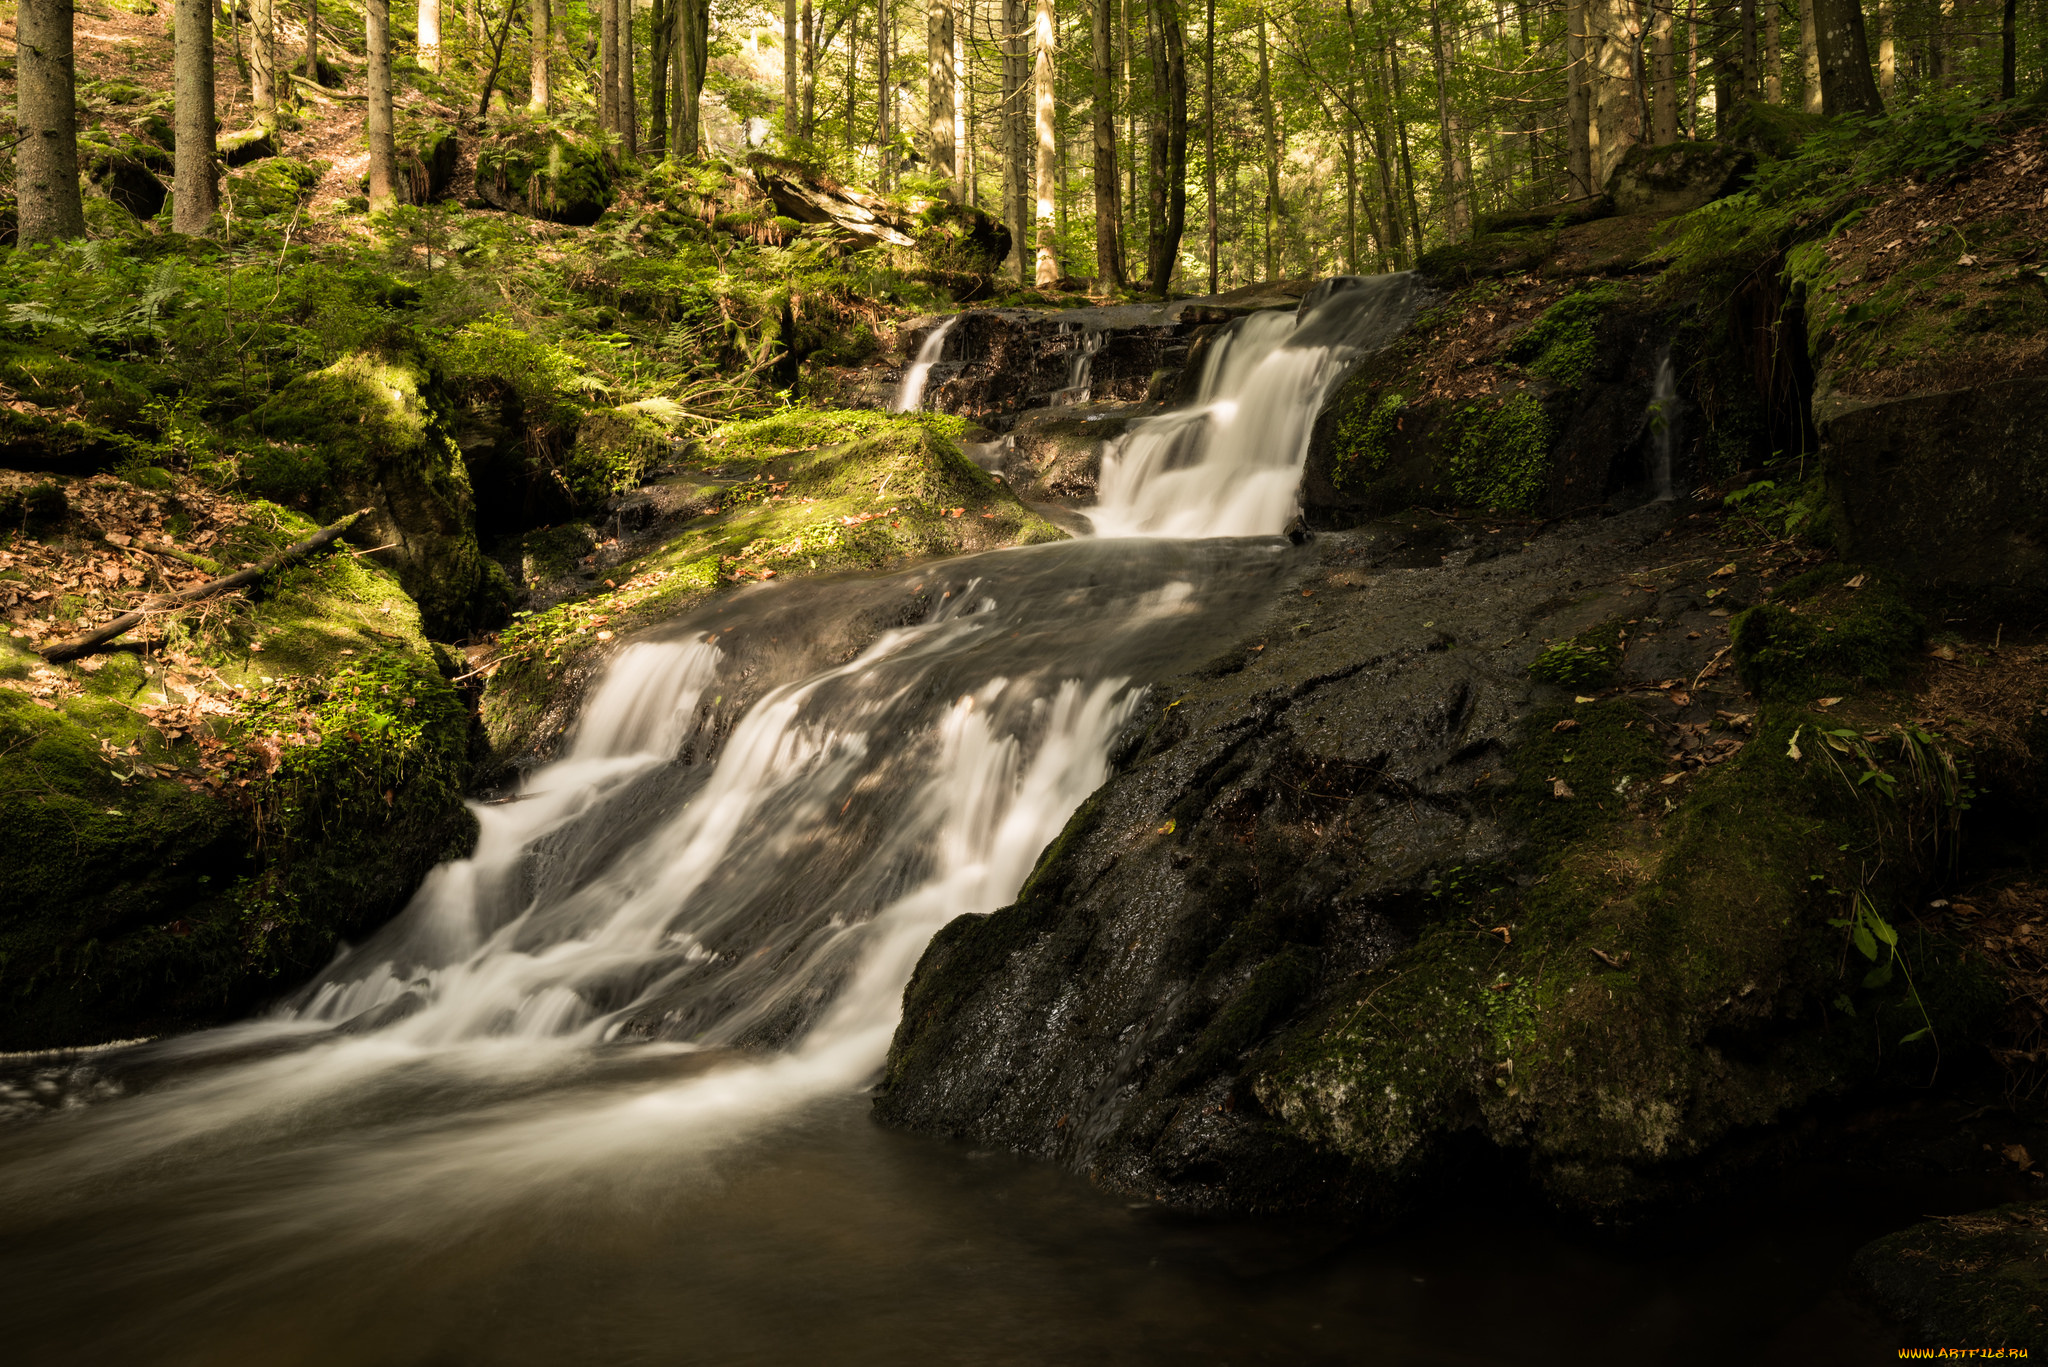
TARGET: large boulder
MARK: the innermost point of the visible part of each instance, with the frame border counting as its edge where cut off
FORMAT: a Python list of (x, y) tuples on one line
[(552, 175), (372, 431), (1676, 177), (427, 153)]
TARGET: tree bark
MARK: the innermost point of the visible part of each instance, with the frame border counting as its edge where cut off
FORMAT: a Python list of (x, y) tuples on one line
[(313, 41), (1109, 213), (1887, 52), (1155, 134), (1407, 158), (1048, 273), (540, 24), (1664, 75), (1846, 84), (940, 79), (608, 109), (2009, 57), (1809, 57), (1208, 136), (885, 101), (1774, 57), (791, 112), (807, 125), (46, 167), (689, 52), (660, 33), (629, 105), (377, 113), (1578, 100), (1172, 216), (1016, 130), (1613, 124), (263, 74), (1457, 208), (198, 187), (428, 33), (1272, 151)]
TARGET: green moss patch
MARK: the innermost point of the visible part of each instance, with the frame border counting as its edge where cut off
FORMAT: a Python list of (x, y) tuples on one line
[(1562, 344), (1819, 635)]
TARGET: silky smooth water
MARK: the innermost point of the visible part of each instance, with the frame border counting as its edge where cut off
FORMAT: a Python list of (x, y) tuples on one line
[(596, 1095)]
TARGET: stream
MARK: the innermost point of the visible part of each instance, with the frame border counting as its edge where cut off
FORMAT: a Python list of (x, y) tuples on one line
[(597, 1095)]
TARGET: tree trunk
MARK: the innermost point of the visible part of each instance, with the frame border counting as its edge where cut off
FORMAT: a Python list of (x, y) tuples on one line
[(1109, 216), (1209, 136), (940, 79), (313, 41), (46, 167), (1155, 135), (1846, 85), (1887, 52), (1272, 149), (1457, 211), (2009, 58), (198, 186), (1664, 75), (1048, 273), (807, 92), (1350, 200), (1407, 158), (1614, 119), (884, 98), (377, 113), (1809, 57), (607, 94), (689, 53), (263, 75), (539, 22), (791, 111), (1774, 57), (629, 102), (659, 30), (1173, 213), (428, 34), (1751, 67), (1578, 100)]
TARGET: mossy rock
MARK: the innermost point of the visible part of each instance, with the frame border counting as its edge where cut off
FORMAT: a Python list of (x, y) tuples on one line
[(111, 394), (274, 187), (958, 239), (615, 448), (143, 892), (1493, 254), (551, 175), (128, 182), (57, 442), (372, 431), (427, 152), (245, 145), (1818, 636), (1773, 130), (1979, 1279), (1677, 177)]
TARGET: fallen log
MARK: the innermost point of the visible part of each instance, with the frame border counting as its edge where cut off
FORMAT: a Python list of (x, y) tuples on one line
[(96, 641)]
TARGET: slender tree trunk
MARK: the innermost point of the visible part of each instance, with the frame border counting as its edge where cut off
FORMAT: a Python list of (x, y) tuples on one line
[(1173, 213), (1350, 200), (885, 120), (1109, 217), (1845, 79), (1133, 208), (1664, 75), (629, 100), (1270, 118), (608, 108), (263, 74), (1578, 99), (427, 32), (807, 127), (46, 166), (689, 52), (539, 21), (1048, 274), (940, 79), (791, 110), (1209, 136), (659, 31), (1887, 52), (1774, 55), (313, 41), (377, 113), (1155, 135), (1751, 67), (852, 82), (198, 186), (1407, 157), (1809, 57), (1009, 130), (1457, 211), (2009, 58)]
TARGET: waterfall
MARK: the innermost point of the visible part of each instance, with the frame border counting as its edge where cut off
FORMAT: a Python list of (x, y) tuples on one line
[(1230, 462), (1663, 420), (910, 395), (1080, 364)]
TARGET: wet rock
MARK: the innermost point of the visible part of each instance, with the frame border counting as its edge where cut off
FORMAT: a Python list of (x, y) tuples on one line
[(1950, 492), (1055, 454), (1979, 1279)]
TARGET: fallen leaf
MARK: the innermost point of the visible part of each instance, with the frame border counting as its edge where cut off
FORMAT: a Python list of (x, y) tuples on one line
[(1724, 571), (1167, 829), (1612, 961), (1582, 698), (1857, 582), (1680, 698), (1566, 725), (1826, 702), (1560, 789), (2017, 1153), (1792, 750), (604, 635), (1942, 652)]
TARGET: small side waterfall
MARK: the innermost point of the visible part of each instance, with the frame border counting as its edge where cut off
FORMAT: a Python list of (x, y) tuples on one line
[(1229, 464), (1663, 420), (910, 394), (1080, 362)]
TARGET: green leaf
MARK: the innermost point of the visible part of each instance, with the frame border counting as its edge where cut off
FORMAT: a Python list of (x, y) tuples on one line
[(1921, 1033), (1879, 927), (1844, 1005), (1879, 976), (1868, 946)]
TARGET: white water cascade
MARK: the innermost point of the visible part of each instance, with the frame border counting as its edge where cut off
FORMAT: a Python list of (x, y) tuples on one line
[(1229, 463), (910, 394), (1663, 420)]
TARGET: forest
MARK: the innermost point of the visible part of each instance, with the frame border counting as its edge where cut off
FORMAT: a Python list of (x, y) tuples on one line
[(1021, 680)]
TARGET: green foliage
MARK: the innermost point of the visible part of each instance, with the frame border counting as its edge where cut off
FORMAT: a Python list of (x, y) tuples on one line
[(613, 451), (1498, 455), (1590, 659), (1360, 439), (273, 186), (1562, 345), (1821, 636)]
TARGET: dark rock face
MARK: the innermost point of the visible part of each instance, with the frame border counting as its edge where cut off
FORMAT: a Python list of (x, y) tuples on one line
[(1055, 454), (1950, 491), (128, 182), (556, 178), (1342, 909), (1677, 177), (1979, 1279), (426, 164), (999, 362)]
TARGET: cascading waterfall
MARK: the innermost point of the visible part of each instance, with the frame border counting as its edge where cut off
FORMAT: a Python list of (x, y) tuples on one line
[(910, 394), (1229, 464), (1080, 367), (1663, 419)]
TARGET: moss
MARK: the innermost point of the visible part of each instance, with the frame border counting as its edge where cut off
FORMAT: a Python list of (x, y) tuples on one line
[(1359, 439), (274, 186), (1497, 455), (1819, 636), (1979, 1279), (1491, 254), (547, 173), (1590, 659), (110, 394), (615, 447), (797, 429), (1563, 344)]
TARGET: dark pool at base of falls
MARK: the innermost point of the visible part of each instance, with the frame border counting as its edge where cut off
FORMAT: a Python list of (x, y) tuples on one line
[(833, 1240)]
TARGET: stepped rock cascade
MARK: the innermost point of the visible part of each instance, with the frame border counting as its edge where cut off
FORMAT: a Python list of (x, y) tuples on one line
[(1229, 463), (910, 395)]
